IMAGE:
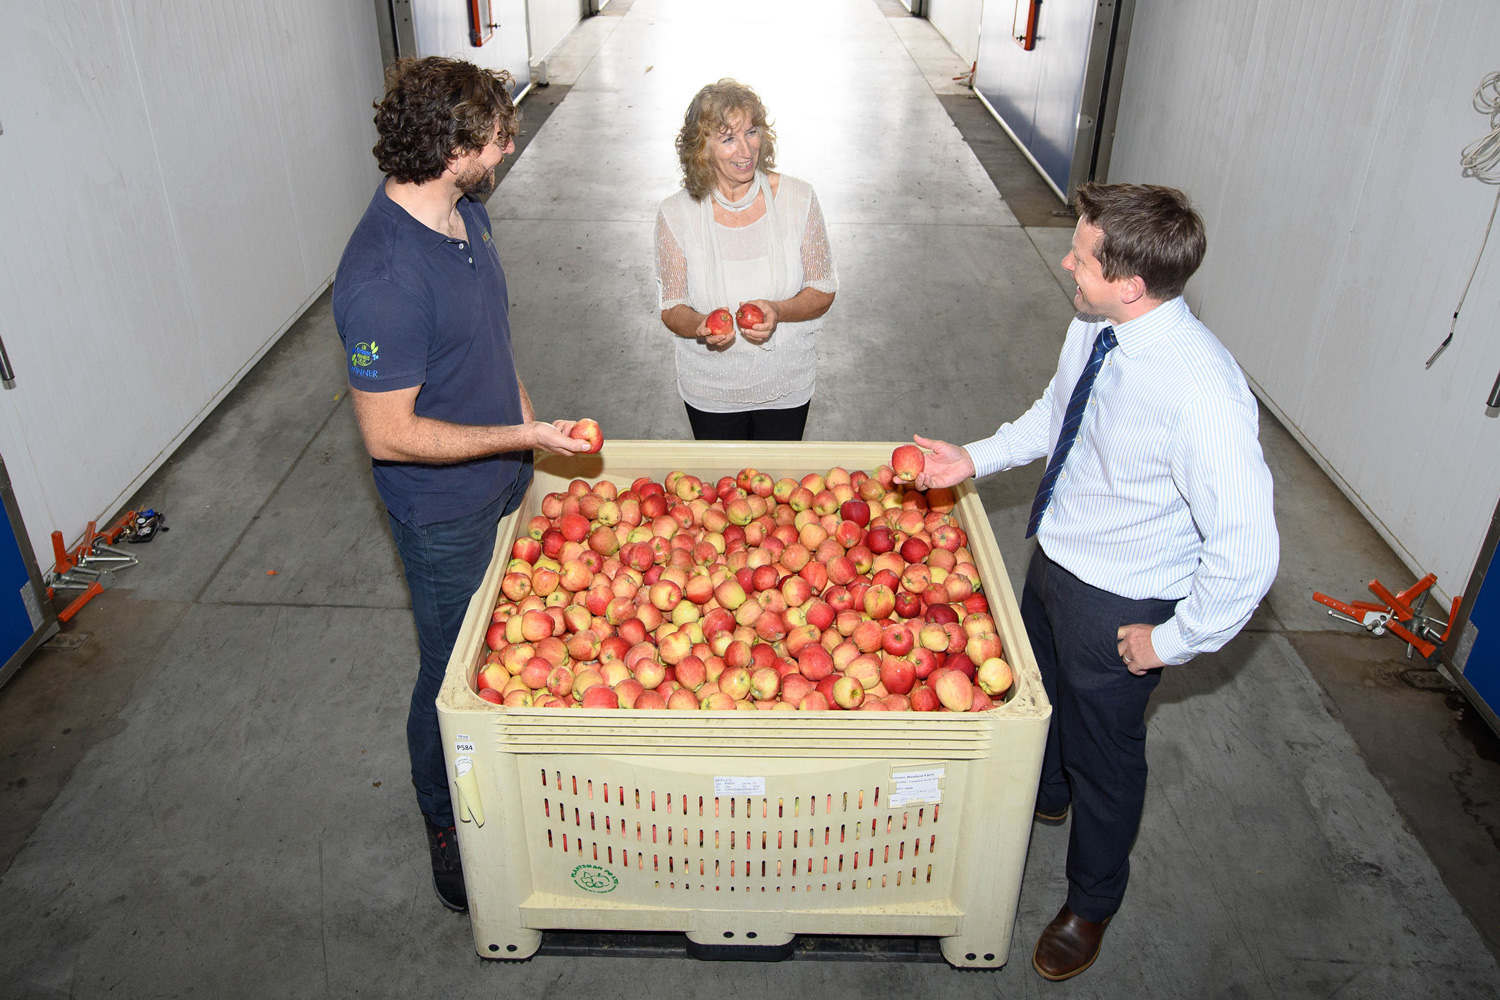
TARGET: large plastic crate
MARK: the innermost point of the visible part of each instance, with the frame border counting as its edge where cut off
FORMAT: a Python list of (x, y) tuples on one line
[(743, 828)]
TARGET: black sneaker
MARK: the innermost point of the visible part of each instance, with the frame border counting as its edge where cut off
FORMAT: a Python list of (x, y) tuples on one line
[(447, 869)]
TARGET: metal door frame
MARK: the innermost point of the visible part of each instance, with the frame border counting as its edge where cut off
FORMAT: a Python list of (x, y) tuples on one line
[(1455, 666), (48, 627)]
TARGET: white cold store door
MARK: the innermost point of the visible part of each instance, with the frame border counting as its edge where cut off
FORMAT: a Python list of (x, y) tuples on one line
[(1045, 72), (442, 29)]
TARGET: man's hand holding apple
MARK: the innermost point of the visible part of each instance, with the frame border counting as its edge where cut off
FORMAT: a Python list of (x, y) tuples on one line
[(945, 465), (554, 437)]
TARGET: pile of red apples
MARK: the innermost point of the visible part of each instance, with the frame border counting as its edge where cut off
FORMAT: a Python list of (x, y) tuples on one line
[(841, 590)]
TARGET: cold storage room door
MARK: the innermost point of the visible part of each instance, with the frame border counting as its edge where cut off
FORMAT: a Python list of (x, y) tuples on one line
[(1049, 73)]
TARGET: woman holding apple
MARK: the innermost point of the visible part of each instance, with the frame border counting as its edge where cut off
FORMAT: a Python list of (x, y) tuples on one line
[(744, 270)]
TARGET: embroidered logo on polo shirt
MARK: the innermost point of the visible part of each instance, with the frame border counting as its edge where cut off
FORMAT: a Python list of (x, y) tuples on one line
[(365, 354)]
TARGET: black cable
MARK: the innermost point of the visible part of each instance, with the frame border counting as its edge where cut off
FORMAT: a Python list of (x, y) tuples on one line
[(1480, 159)]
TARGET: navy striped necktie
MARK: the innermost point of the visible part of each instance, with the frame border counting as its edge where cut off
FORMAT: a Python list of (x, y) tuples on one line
[(1072, 418)]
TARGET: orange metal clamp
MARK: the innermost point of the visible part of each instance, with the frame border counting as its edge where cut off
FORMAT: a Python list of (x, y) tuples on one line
[(1399, 614), (92, 591)]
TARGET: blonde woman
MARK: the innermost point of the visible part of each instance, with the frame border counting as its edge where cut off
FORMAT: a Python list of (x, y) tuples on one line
[(738, 236)]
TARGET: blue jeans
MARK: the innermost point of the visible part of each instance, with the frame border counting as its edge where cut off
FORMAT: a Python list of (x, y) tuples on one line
[(1096, 745), (444, 563)]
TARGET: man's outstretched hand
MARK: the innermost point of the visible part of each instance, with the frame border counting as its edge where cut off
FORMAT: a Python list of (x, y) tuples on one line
[(944, 464)]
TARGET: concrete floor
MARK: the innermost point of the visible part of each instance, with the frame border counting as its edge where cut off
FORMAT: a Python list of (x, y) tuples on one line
[(205, 789)]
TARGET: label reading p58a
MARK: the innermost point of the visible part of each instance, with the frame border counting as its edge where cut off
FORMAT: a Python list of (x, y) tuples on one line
[(913, 787)]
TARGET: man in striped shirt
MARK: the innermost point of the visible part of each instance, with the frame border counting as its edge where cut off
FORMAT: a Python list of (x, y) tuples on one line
[(1154, 522)]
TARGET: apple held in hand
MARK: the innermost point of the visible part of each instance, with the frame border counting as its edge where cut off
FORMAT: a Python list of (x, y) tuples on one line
[(588, 430), (907, 462), (750, 315), (719, 323)]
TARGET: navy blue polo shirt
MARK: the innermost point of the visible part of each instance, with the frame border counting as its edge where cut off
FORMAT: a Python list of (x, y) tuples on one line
[(416, 308)]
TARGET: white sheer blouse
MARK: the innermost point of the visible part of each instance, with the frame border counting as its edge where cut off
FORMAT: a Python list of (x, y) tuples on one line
[(781, 372)]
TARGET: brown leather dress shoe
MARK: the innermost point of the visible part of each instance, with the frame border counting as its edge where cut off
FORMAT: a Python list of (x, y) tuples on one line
[(1068, 945)]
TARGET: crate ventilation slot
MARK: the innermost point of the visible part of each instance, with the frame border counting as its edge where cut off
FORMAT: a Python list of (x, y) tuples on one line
[(824, 842)]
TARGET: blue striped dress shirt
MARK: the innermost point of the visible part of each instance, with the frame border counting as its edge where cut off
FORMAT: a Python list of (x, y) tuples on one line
[(1166, 493)]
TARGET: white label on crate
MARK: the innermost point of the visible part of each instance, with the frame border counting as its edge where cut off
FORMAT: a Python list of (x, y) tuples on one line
[(463, 766), (916, 786), (739, 786), (462, 744)]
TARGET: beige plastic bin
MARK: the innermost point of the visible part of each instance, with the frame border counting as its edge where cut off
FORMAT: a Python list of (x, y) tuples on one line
[(743, 828)]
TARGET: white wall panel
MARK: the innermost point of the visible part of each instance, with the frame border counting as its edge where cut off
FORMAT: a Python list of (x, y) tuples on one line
[(958, 22), (549, 21), (92, 287), (1321, 144), (214, 97), (177, 180), (328, 127)]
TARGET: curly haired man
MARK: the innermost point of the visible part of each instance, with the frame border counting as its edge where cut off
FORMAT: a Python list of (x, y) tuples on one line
[(420, 304)]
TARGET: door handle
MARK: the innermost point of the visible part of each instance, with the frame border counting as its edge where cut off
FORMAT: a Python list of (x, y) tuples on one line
[(1025, 36)]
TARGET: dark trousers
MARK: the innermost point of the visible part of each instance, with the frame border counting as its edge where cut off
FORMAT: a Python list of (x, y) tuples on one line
[(749, 425), (444, 564), (1095, 759)]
